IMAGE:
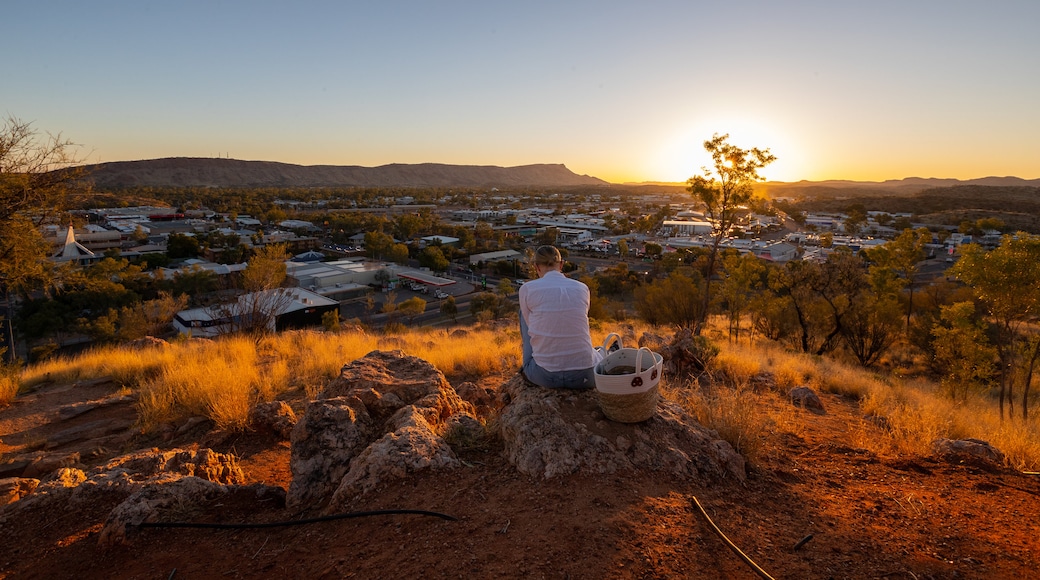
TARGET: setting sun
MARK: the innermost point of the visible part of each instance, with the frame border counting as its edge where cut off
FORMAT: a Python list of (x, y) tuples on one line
[(682, 155)]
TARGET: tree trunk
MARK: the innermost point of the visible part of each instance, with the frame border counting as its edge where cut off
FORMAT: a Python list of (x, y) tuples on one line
[(702, 316), (1029, 378)]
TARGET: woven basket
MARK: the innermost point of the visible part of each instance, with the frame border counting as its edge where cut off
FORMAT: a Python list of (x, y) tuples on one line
[(626, 384), (631, 408)]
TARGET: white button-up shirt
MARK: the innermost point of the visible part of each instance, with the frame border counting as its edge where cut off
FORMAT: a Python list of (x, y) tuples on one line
[(556, 310)]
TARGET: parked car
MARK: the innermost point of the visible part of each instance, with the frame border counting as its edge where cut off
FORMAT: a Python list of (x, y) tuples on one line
[(440, 295)]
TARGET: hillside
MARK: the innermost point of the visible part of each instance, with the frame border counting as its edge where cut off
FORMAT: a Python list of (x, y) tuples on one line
[(856, 513), (207, 172)]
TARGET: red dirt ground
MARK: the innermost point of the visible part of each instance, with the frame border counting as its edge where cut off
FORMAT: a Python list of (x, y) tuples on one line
[(869, 516)]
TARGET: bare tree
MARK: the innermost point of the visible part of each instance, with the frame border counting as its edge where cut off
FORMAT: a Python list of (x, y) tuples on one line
[(256, 311)]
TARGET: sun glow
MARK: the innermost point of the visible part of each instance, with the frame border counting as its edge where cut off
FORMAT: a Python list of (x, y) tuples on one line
[(682, 155)]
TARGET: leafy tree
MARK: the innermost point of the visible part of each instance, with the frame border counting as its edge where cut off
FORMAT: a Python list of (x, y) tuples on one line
[(653, 250), (408, 225), (398, 254), (855, 219), (505, 287), (547, 236), (377, 244), (37, 176), (181, 246), (821, 295), (772, 315), (962, 351), (743, 276), (433, 258), (194, 283), (330, 321), (984, 224), (597, 304), (673, 300), (149, 318), (622, 247), (669, 262), (902, 223), (902, 256), (490, 303), (450, 309), (722, 190), (1006, 282), (266, 269), (412, 307), (23, 269), (870, 326)]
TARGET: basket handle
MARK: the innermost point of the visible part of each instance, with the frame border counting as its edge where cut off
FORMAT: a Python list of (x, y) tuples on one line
[(639, 358), (608, 340)]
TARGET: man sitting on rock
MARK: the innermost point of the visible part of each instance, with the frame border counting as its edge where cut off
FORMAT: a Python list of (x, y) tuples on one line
[(554, 327)]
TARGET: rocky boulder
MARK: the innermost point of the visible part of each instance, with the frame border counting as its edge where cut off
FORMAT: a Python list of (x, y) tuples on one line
[(686, 353), (275, 416), (967, 451), (380, 419), (806, 398), (142, 482), (547, 433)]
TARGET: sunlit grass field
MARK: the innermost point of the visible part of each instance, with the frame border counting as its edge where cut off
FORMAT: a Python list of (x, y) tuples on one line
[(224, 379)]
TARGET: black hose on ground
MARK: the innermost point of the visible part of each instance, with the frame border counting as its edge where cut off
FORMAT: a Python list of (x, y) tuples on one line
[(328, 518), (762, 573)]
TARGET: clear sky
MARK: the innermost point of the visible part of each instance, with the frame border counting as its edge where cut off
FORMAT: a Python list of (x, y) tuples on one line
[(624, 91)]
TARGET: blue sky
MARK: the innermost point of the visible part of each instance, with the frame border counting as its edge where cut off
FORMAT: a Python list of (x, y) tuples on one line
[(624, 91)]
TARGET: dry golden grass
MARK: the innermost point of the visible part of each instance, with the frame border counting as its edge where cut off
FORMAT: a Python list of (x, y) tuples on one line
[(737, 365), (902, 417), (219, 380), (915, 414), (224, 379), (8, 388)]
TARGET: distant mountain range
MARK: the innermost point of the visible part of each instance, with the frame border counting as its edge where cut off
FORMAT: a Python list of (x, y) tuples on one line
[(215, 172), (907, 186)]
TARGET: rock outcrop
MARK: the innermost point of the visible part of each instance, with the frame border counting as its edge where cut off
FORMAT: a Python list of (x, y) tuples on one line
[(379, 419), (143, 482), (549, 433)]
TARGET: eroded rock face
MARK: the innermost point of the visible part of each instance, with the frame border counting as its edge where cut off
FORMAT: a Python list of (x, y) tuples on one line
[(549, 433), (378, 420), (147, 480), (147, 504), (13, 489)]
